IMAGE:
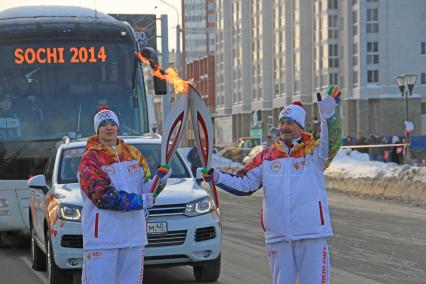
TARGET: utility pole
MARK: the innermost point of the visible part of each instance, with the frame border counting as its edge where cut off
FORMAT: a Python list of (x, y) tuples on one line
[(165, 62), (178, 30)]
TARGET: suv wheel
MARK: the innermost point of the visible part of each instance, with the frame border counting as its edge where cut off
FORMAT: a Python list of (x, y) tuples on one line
[(37, 255), (55, 275), (208, 272)]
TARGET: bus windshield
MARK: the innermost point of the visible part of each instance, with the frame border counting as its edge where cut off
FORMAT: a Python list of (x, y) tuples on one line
[(54, 88)]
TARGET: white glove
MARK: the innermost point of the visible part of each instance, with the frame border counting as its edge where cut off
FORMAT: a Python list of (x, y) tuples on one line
[(148, 200), (327, 107)]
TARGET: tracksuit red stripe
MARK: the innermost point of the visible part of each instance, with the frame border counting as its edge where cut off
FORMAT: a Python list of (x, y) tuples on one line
[(96, 225), (321, 214)]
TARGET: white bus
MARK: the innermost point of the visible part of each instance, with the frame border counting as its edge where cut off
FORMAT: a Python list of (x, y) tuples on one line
[(58, 65)]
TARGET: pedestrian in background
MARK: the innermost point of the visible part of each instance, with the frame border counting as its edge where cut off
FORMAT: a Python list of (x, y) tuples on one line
[(194, 159), (397, 151)]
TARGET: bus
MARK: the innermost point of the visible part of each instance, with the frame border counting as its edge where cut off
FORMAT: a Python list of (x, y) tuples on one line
[(58, 65)]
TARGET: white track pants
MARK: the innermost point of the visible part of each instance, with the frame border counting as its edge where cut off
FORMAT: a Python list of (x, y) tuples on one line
[(308, 260), (111, 266)]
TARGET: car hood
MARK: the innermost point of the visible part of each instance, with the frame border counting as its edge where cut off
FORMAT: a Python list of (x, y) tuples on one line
[(177, 191)]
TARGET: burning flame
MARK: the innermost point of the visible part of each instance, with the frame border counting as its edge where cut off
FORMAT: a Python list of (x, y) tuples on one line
[(180, 86)]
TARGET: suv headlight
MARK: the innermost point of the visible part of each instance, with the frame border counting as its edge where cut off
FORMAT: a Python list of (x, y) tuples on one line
[(69, 212), (199, 207)]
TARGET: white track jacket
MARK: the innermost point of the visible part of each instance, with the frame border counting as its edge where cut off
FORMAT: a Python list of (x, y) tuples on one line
[(295, 202)]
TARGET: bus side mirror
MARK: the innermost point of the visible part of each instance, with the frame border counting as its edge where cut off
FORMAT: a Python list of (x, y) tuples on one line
[(160, 86)]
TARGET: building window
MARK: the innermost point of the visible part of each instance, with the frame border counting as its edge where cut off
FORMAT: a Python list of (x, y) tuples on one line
[(373, 52), (354, 2), (355, 54), (333, 56), (423, 78), (423, 48), (423, 108), (372, 76), (355, 23), (371, 1), (333, 77), (332, 4), (355, 79), (355, 60), (333, 29), (372, 20)]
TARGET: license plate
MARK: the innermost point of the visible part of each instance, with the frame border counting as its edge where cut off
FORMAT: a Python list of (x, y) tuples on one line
[(156, 228)]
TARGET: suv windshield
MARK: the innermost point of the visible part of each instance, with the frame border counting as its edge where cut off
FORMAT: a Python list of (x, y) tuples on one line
[(71, 157)]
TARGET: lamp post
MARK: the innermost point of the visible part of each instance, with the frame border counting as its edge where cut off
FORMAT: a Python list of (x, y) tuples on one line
[(178, 30), (406, 84)]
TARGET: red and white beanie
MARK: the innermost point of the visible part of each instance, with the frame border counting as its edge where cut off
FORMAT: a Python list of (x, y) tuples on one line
[(104, 114), (294, 112)]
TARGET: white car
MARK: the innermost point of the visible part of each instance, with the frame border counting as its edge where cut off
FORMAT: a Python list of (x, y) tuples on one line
[(183, 227)]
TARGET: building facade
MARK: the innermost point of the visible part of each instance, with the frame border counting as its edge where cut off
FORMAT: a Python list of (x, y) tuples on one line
[(271, 52), (199, 50)]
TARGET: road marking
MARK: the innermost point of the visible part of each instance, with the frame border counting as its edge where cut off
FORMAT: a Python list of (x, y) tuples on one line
[(42, 276)]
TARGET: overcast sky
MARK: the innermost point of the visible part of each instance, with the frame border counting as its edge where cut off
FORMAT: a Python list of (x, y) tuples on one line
[(115, 6)]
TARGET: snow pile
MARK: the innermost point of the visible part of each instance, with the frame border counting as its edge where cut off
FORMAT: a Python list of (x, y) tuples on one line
[(352, 164)]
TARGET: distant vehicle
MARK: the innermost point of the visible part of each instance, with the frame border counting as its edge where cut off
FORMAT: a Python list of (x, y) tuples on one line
[(253, 153), (240, 149), (247, 142), (183, 227)]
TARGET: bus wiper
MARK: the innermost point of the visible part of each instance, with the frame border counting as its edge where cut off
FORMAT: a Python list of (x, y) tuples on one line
[(78, 120)]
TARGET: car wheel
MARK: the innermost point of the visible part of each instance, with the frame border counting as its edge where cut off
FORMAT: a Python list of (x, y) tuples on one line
[(55, 275), (37, 255), (208, 272)]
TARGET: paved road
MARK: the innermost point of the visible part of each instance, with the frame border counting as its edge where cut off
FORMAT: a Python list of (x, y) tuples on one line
[(374, 242)]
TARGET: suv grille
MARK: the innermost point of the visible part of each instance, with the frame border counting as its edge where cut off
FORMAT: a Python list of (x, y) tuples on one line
[(72, 241), (203, 234), (172, 238), (167, 210)]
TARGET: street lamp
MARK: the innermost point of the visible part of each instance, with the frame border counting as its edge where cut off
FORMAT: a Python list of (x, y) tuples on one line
[(178, 30), (406, 84)]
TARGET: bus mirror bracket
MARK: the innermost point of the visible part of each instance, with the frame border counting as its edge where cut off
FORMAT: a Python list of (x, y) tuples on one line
[(160, 86)]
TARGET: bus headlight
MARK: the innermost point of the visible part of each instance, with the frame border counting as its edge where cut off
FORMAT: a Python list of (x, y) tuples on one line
[(70, 212), (199, 207)]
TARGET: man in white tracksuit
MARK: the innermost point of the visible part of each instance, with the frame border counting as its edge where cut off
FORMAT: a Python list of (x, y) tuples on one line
[(295, 214), (115, 183)]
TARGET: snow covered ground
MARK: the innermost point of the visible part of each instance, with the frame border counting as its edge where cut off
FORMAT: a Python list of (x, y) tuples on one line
[(352, 164), (347, 164), (218, 161)]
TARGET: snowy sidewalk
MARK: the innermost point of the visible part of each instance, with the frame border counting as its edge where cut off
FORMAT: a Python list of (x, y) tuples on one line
[(352, 172)]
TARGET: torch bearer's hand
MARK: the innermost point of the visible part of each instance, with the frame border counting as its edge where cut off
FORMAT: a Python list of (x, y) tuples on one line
[(164, 172), (210, 175), (327, 106), (148, 200)]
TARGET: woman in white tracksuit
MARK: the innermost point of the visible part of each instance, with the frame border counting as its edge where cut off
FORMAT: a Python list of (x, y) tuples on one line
[(295, 215), (115, 183)]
